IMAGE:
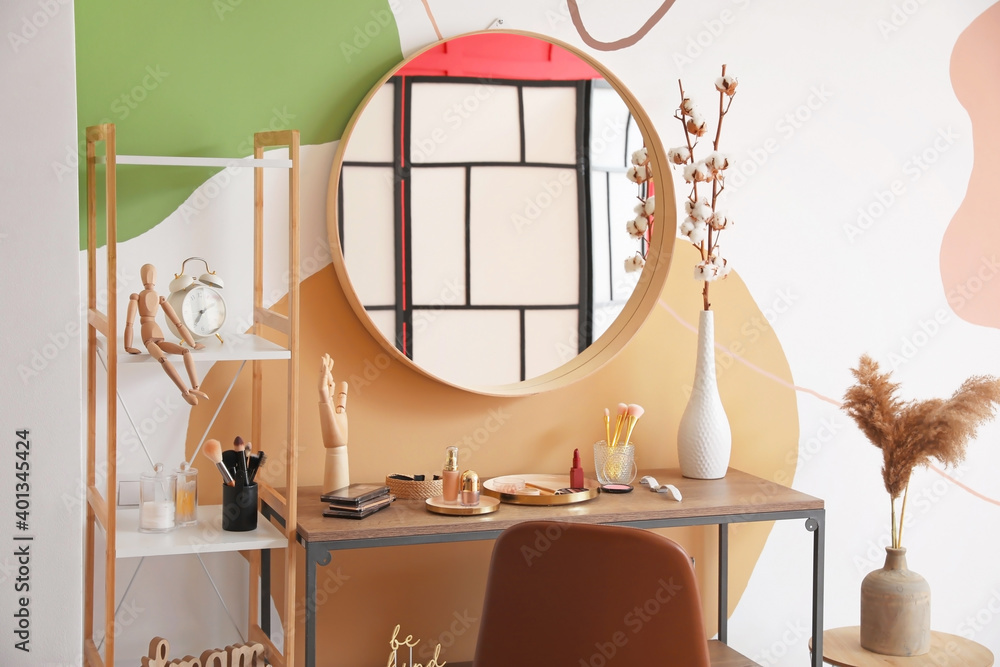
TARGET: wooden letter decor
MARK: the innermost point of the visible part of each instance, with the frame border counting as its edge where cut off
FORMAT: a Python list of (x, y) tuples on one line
[(409, 643), (237, 655)]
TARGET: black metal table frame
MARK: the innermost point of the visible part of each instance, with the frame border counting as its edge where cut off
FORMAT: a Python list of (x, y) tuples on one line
[(320, 553)]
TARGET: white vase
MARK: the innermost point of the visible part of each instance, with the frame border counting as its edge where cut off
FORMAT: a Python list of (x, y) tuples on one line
[(704, 439)]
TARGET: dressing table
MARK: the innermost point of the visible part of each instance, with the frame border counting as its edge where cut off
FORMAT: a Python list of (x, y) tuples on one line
[(718, 502)]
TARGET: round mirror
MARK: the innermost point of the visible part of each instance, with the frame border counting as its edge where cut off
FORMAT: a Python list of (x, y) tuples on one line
[(477, 213)]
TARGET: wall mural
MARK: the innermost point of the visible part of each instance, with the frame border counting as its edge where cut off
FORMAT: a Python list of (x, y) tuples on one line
[(864, 206)]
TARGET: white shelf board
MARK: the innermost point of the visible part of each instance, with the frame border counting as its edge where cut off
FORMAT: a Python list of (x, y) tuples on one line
[(206, 536), (238, 347), (172, 161)]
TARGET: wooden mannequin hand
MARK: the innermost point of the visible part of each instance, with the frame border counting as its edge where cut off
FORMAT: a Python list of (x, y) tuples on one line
[(198, 346), (132, 350), (326, 383), (332, 406)]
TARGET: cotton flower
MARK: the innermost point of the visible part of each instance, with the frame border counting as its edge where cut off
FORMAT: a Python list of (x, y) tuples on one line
[(637, 174), (699, 210), (721, 220), (720, 266), (639, 209), (726, 84), (698, 233), (679, 155), (695, 124), (640, 156), (650, 205), (717, 161), (638, 226), (686, 226), (687, 107), (705, 271), (697, 172), (634, 263)]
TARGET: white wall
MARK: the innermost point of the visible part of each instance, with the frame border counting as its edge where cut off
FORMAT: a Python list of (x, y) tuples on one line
[(41, 386)]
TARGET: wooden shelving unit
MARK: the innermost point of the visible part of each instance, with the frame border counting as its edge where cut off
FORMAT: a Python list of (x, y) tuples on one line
[(122, 538)]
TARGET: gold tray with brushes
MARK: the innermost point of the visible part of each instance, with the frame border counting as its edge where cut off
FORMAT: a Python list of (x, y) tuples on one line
[(548, 487)]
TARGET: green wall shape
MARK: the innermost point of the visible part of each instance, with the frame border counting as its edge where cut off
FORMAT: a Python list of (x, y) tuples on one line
[(196, 78)]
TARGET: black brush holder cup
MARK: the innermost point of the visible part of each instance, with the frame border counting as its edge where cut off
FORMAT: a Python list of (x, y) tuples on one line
[(239, 508)]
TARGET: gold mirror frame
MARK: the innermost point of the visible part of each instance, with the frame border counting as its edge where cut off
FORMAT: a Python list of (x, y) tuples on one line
[(639, 305)]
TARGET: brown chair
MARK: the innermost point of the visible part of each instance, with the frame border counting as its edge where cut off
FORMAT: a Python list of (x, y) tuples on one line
[(577, 595)]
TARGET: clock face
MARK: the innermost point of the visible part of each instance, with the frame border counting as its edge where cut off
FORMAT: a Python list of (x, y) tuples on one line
[(203, 311)]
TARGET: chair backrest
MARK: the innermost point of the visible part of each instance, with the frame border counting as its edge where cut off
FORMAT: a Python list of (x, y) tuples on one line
[(577, 595)]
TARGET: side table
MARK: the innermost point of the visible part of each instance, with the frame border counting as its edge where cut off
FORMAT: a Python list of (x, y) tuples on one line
[(842, 647)]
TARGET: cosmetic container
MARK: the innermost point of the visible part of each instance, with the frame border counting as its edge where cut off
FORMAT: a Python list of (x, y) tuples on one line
[(239, 508), (470, 488), (157, 497), (187, 495), (450, 475), (614, 465)]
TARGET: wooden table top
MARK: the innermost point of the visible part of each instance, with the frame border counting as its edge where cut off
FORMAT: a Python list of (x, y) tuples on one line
[(842, 646), (737, 493)]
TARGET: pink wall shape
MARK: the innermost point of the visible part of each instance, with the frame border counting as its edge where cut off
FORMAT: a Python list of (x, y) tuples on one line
[(970, 250)]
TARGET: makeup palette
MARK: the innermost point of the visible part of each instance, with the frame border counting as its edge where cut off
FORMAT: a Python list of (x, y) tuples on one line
[(616, 488)]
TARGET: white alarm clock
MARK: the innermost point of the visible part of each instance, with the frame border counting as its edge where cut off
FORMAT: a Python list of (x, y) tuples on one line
[(197, 302)]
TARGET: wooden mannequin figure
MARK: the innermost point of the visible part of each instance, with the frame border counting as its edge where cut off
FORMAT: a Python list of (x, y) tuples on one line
[(147, 303), (333, 424)]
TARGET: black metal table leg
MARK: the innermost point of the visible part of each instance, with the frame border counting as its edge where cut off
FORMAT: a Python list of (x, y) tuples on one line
[(817, 525), (265, 591), (316, 554), (724, 583)]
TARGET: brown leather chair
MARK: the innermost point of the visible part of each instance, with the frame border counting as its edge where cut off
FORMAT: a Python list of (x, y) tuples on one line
[(577, 595)]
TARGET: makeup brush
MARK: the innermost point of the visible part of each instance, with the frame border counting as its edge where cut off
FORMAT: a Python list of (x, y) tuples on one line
[(619, 422), (634, 412), (255, 463), (607, 426), (241, 460), (213, 452)]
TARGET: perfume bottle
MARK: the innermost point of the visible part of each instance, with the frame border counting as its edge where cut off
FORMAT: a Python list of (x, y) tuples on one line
[(450, 475)]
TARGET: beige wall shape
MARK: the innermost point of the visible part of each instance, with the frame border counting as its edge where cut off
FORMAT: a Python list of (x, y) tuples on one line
[(401, 421)]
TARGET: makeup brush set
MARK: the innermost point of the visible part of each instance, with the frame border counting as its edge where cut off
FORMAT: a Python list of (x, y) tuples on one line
[(238, 466), (614, 457)]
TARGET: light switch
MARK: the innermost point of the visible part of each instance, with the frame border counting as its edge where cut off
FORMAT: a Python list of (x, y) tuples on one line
[(128, 493)]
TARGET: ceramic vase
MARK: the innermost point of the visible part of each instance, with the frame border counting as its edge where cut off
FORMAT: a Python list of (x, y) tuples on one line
[(895, 609), (704, 439)]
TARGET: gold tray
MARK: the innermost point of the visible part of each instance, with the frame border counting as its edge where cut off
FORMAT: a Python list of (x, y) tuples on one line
[(548, 481), (439, 505)]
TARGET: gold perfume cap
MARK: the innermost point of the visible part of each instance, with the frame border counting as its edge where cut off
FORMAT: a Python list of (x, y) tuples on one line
[(470, 481), (451, 459)]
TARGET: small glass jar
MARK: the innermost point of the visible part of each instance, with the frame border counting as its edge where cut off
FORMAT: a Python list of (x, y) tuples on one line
[(469, 495), (157, 498), (187, 495)]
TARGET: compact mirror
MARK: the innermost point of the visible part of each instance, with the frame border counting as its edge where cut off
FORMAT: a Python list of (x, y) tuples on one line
[(477, 213)]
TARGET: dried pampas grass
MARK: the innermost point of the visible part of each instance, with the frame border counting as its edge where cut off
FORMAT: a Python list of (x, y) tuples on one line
[(912, 433)]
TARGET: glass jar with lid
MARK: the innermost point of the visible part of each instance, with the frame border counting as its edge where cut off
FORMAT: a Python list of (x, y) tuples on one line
[(187, 495), (157, 501)]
